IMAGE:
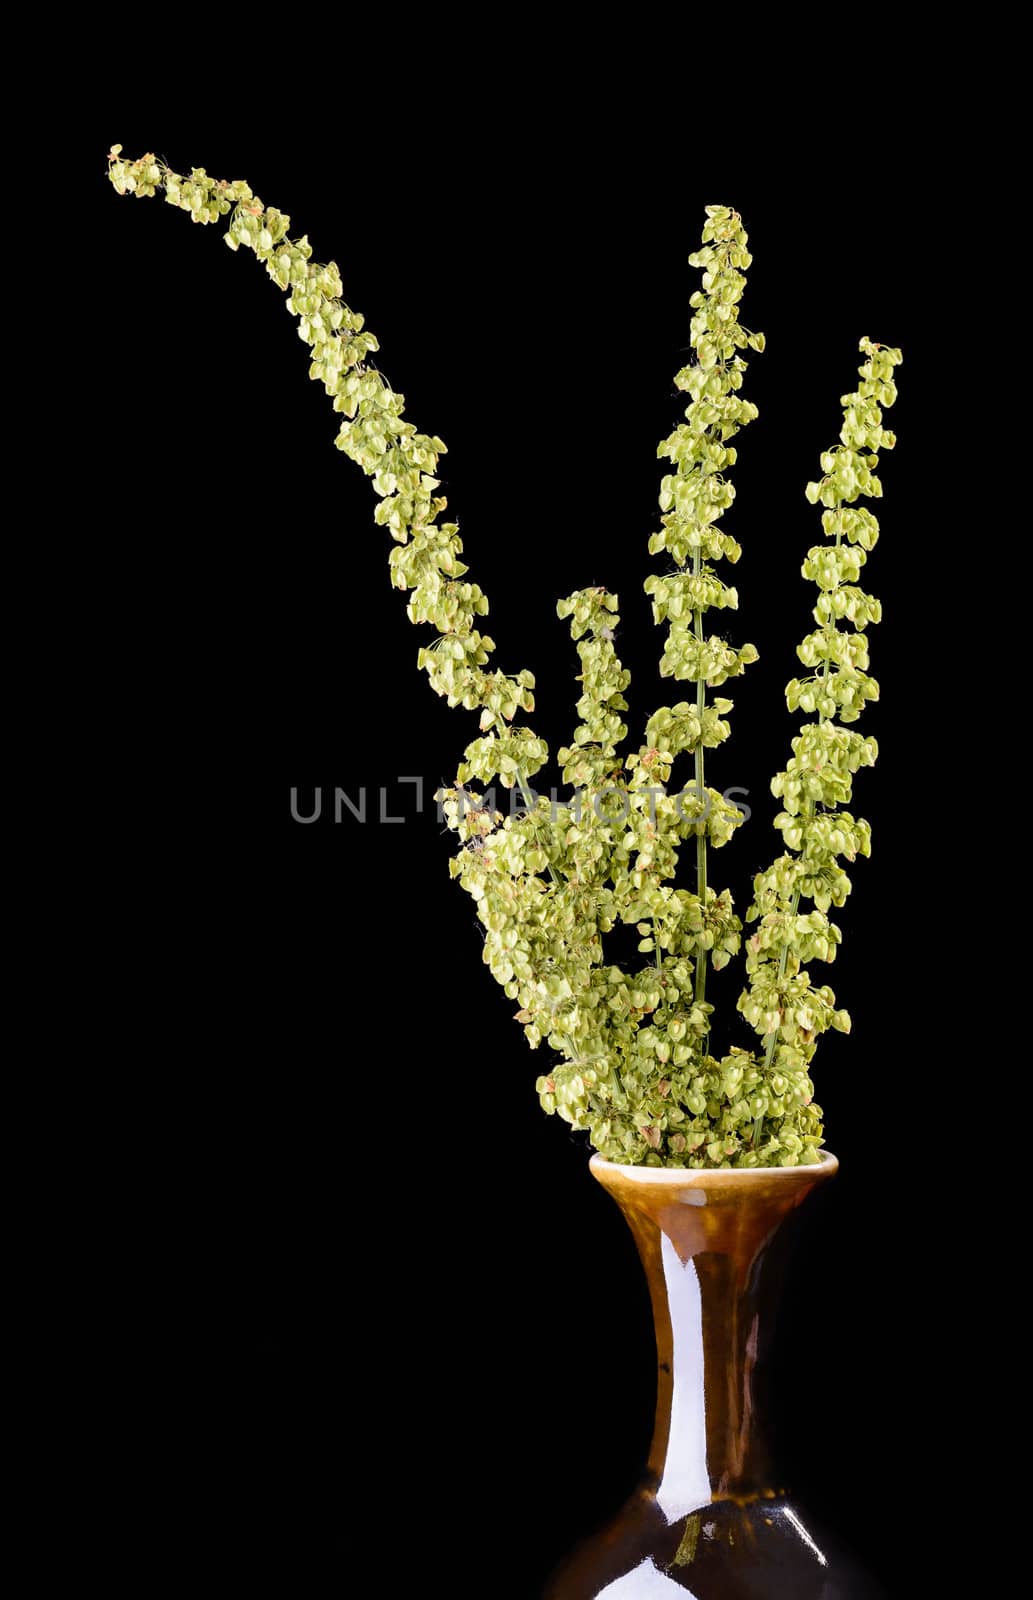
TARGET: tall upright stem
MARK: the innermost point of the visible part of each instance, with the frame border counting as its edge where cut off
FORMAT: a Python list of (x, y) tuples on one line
[(794, 904), (701, 836)]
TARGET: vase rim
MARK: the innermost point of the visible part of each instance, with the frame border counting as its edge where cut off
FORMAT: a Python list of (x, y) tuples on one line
[(826, 1166)]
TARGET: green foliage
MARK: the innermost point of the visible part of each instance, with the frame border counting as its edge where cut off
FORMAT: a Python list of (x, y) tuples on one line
[(781, 1002), (630, 1049)]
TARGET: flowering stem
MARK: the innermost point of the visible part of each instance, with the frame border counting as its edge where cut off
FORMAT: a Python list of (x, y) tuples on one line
[(794, 904), (701, 836)]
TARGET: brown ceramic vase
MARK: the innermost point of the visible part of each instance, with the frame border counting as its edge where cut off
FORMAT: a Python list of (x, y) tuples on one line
[(709, 1519)]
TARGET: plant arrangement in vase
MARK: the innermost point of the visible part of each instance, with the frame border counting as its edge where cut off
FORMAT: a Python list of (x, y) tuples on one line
[(631, 1057)]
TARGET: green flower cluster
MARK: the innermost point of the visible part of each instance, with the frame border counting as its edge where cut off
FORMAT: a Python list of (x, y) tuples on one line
[(550, 880), (400, 460), (781, 1002)]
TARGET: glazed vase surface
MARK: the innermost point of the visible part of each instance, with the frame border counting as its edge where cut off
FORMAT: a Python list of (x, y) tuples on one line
[(709, 1518)]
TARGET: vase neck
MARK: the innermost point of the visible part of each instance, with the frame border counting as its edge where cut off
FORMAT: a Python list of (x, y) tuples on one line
[(708, 1440), (712, 1251)]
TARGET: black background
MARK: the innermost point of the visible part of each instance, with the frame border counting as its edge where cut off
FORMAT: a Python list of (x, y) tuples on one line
[(339, 1285)]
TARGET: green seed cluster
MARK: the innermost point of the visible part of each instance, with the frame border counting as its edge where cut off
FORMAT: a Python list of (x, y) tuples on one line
[(632, 1063), (781, 1002), (400, 461)]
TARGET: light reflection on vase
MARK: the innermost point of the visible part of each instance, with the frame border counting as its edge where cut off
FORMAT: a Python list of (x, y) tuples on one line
[(708, 1520)]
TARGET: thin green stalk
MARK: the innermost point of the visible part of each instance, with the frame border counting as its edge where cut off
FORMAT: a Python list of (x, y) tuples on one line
[(529, 800), (794, 907), (531, 805), (701, 836)]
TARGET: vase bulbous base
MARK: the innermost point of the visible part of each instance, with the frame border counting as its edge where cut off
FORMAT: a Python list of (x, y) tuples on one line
[(766, 1549)]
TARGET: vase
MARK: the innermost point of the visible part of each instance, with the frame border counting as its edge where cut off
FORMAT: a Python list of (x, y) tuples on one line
[(709, 1518)]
